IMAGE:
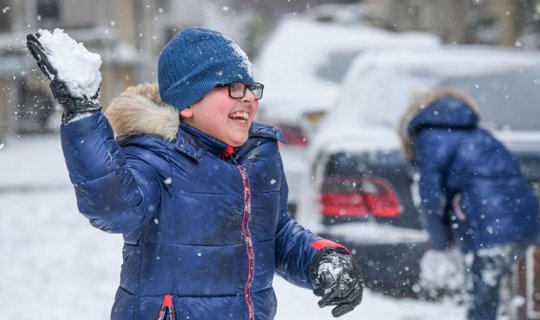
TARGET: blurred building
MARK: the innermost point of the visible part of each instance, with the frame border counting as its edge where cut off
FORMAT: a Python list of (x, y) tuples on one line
[(128, 34), (500, 22)]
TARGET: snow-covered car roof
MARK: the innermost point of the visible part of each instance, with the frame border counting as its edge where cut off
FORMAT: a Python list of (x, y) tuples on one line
[(303, 61), (378, 87)]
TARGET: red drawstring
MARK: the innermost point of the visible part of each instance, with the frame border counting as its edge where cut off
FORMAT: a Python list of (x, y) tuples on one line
[(167, 310)]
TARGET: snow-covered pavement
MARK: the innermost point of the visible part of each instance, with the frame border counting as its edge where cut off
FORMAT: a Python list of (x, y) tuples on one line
[(54, 265)]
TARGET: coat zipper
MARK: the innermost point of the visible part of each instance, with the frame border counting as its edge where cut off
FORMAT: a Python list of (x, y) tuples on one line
[(248, 241), (167, 309)]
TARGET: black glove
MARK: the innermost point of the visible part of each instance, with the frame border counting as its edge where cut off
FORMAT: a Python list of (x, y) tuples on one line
[(337, 280), (72, 105)]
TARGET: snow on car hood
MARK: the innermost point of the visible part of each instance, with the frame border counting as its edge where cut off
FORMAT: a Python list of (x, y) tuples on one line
[(344, 138)]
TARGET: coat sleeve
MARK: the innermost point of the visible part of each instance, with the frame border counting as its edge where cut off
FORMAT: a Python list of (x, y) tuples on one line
[(296, 247), (432, 156), (115, 192)]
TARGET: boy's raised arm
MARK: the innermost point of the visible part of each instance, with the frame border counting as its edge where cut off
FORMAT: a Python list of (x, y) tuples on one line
[(93, 157)]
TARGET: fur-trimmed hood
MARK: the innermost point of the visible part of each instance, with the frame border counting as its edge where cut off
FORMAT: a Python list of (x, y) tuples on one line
[(422, 99), (140, 110)]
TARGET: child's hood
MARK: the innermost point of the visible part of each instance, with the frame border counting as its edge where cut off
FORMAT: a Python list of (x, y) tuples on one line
[(446, 107), (140, 110), (448, 112)]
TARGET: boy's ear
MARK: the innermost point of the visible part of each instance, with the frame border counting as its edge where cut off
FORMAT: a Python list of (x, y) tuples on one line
[(186, 113)]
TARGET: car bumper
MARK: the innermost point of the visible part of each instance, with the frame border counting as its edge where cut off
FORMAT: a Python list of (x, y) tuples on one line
[(389, 257)]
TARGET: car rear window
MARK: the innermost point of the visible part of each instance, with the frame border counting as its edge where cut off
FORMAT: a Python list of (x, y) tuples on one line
[(507, 101), (336, 65)]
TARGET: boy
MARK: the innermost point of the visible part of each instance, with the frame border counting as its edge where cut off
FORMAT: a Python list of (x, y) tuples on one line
[(201, 201)]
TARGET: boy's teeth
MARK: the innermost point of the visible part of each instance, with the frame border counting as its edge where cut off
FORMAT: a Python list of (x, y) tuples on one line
[(241, 115)]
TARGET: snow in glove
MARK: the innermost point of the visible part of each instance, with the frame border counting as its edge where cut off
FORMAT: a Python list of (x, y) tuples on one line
[(71, 68), (337, 280)]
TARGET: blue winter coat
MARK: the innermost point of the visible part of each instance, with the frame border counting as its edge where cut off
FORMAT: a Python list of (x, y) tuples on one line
[(209, 232), (464, 168)]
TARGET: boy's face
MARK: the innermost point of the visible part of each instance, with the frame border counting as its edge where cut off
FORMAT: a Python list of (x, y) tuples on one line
[(223, 117)]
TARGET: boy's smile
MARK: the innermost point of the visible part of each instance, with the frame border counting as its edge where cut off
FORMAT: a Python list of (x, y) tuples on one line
[(241, 117), (222, 117)]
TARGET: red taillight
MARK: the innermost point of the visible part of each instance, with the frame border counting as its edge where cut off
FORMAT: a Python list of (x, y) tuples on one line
[(343, 204), (359, 197), (296, 140), (294, 135)]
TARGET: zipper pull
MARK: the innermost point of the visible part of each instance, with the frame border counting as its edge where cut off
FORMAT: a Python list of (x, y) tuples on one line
[(167, 310)]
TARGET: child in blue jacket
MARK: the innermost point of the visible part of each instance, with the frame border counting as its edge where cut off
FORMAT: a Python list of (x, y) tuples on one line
[(197, 189), (473, 194)]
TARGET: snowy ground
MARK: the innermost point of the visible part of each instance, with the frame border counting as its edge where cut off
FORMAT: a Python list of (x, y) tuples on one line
[(54, 265)]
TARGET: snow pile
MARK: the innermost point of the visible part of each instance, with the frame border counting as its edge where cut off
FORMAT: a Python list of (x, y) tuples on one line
[(76, 66)]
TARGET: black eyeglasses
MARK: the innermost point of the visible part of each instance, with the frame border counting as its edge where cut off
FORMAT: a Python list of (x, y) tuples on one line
[(237, 90)]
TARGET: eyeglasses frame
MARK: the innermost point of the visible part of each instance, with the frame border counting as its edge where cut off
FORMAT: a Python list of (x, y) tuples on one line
[(246, 87)]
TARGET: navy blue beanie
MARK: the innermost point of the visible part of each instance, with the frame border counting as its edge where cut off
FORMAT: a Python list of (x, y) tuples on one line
[(197, 60)]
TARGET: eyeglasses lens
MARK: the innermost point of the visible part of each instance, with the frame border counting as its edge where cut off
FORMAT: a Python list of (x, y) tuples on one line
[(257, 89), (237, 90)]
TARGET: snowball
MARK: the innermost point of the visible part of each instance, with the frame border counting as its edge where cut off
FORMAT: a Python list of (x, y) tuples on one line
[(76, 66), (441, 270)]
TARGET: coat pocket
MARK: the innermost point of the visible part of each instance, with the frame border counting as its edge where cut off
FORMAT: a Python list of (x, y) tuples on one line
[(167, 309)]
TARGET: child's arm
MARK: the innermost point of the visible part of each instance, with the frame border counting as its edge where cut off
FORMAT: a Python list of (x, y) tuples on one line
[(296, 247), (116, 195), (433, 155), (115, 192), (309, 261), (294, 253)]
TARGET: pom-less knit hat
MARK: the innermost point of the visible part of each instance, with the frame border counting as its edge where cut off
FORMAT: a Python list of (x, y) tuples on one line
[(197, 60)]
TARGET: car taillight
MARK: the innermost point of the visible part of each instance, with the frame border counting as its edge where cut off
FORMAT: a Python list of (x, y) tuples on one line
[(294, 135), (359, 197)]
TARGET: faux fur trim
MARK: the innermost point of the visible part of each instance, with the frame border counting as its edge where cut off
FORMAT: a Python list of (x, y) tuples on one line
[(422, 98), (140, 110)]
